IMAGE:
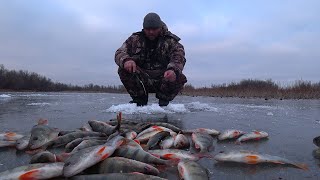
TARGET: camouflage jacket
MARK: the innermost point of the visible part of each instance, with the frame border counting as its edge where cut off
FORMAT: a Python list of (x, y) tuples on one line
[(169, 53)]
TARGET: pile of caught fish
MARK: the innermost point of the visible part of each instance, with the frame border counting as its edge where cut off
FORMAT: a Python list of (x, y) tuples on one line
[(123, 149)]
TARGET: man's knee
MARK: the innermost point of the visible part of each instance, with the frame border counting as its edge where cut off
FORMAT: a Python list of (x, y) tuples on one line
[(128, 79), (123, 74), (131, 83)]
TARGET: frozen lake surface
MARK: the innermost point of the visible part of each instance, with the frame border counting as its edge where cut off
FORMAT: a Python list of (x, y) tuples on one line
[(291, 124)]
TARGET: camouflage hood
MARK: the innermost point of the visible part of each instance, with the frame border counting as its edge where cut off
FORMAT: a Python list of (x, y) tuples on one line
[(165, 31)]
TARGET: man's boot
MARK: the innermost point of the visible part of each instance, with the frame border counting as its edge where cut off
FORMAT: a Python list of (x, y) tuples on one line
[(140, 101), (163, 102)]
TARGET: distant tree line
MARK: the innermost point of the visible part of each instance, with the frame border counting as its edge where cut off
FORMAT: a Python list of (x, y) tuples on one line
[(258, 89), (30, 81)]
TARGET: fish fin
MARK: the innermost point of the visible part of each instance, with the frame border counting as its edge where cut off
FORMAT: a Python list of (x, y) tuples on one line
[(10, 134), (119, 119), (252, 159), (133, 134), (3, 144), (137, 173), (42, 121), (168, 156), (120, 143), (173, 134), (34, 151), (236, 134), (155, 155), (193, 136), (157, 128), (137, 141), (205, 150), (30, 175), (172, 162), (145, 147), (101, 150), (211, 148), (257, 132), (204, 155), (278, 162), (54, 134), (162, 168), (125, 141), (246, 151), (207, 171), (105, 156), (62, 157), (196, 145), (237, 142), (181, 171)]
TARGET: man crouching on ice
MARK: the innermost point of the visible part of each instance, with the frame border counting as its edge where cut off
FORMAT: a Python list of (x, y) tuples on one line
[(151, 61)]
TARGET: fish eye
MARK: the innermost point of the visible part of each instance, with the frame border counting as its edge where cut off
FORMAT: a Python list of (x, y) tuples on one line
[(67, 164), (35, 138)]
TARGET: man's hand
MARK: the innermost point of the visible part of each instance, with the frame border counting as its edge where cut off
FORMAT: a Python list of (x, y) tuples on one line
[(170, 75), (130, 66)]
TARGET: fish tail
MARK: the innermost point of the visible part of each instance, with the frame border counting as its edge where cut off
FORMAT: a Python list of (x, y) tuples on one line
[(298, 165), (42, 121), (119, 119), (301, 166)]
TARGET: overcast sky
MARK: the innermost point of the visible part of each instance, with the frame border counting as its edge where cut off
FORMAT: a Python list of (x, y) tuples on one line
[(73, 41)]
